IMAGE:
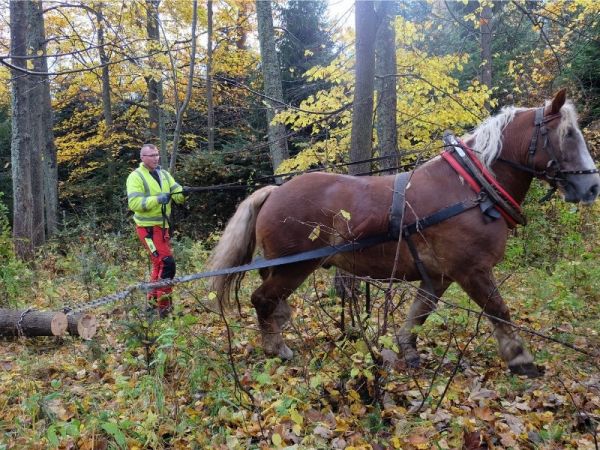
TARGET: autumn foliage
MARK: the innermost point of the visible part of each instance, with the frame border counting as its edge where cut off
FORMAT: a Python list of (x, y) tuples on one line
[(199, 378)]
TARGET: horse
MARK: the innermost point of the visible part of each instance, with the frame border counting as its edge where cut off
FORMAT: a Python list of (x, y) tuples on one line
[(514, 145)]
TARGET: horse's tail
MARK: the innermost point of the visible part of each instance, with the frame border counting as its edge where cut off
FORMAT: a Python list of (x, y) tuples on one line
[(236, 245)]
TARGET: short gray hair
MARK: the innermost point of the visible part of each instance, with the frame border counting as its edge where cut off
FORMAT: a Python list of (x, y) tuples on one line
[(150, 146)]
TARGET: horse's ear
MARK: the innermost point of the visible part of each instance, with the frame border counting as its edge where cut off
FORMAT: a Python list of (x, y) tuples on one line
[(558, 101)]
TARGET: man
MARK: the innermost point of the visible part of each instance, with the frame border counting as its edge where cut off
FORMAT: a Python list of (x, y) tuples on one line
[(150, 190)]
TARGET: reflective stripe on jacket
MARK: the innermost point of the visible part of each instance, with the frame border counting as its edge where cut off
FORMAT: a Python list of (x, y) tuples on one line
[(142, 190)]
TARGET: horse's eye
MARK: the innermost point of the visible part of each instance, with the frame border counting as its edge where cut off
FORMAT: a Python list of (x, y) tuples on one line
[(570, 133)]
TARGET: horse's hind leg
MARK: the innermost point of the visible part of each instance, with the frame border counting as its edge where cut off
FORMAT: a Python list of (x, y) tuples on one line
[(271, 306), (424, 304), (481, 287)]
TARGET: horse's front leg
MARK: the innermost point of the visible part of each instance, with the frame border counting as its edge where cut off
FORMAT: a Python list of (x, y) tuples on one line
[(481, 287), (424, 304)]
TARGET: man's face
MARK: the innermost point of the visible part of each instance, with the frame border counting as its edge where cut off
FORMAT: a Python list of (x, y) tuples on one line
[(150, 158)]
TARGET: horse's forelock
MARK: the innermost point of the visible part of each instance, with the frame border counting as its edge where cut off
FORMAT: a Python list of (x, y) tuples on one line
[(568, 120)]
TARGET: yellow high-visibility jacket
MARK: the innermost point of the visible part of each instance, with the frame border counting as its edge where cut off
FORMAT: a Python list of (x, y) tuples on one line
[(142, 190)]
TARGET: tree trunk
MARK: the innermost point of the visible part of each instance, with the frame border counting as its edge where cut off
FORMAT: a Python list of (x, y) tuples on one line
[(32, 323), (106, 101), (209, 91), (35, 45), (44, 104), (162, 132), (485, 21), (153, 34), (272, 81), (21, 134), (385, 66), (362, 116), (82, 325), (188, 94), (242, 25)]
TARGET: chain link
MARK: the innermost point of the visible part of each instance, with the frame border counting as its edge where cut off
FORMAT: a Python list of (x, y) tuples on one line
[(20, 321), (145, 287), (69, 311)]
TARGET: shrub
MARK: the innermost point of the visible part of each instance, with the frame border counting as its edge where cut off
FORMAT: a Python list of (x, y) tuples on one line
[(15, 276)]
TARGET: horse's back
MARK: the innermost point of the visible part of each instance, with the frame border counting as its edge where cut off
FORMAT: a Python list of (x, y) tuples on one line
[(319, 208)]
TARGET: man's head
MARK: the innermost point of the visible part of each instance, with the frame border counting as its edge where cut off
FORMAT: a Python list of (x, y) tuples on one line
[(150, 156)]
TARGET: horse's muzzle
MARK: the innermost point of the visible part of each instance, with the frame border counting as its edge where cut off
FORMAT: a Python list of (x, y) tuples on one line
[(581, 188)]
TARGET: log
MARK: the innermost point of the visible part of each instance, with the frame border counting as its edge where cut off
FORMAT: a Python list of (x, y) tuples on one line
[(82, 325), (32, 322)]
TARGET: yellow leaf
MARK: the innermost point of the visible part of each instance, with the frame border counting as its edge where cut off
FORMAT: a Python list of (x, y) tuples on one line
[(314, 234), (345, 214), (296, 417), (276, 438)]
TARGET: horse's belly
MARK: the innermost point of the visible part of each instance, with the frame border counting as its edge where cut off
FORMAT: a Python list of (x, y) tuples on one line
[(378, 263)]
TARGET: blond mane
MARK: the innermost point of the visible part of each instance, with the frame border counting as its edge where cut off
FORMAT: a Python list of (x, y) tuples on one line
[(487, 137)]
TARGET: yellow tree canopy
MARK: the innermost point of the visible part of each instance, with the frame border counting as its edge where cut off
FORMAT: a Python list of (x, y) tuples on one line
[(430, 100)]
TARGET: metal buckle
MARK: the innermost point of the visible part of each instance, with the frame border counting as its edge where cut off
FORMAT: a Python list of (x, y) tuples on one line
[(552, 170)]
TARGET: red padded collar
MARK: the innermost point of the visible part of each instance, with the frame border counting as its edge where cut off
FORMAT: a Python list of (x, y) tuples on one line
[(450, 157)]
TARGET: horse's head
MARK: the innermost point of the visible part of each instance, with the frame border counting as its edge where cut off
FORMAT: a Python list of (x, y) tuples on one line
[(559, 154)]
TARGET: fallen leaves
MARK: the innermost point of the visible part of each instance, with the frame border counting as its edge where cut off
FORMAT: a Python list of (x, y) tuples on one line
[(338, 392)]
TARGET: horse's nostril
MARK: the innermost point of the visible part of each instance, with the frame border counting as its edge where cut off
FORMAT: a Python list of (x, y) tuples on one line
[(594, 190)]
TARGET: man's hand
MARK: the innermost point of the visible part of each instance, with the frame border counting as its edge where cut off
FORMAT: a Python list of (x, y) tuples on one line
[(163, 198), (186, 190)]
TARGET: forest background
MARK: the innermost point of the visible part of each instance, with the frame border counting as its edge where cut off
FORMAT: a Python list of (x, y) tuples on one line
[(90, 82)]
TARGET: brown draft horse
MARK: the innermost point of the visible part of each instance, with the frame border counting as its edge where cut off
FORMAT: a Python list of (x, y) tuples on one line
[(462, 249)]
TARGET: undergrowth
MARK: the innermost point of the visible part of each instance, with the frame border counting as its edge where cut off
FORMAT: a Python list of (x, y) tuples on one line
[(200, 379)]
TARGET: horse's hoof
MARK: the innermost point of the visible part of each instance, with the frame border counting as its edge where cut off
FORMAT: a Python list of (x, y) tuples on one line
[(285, 352), (530, 370)]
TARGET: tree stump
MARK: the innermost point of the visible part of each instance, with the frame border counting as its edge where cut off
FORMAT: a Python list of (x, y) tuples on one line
[(82, 325), (29, 322)]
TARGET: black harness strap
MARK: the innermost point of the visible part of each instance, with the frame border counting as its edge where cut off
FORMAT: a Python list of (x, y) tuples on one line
[(397, 216), (318, 253), (538, 122), (398, 203), (553, 173), (419, 264), (438, 217)]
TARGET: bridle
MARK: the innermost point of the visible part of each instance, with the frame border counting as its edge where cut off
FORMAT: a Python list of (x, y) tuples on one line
[(553, 172)]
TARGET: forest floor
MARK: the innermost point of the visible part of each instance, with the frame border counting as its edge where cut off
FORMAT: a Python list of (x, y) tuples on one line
[(201, 380)]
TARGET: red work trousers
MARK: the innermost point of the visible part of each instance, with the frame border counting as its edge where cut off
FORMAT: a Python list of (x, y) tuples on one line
[(163, 265)]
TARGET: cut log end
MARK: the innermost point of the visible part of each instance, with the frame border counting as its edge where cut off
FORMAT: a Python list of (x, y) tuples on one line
[(82, 325), (58, 324)]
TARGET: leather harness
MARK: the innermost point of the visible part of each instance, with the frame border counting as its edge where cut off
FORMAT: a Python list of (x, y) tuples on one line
[(553, 172), (493, 200)]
